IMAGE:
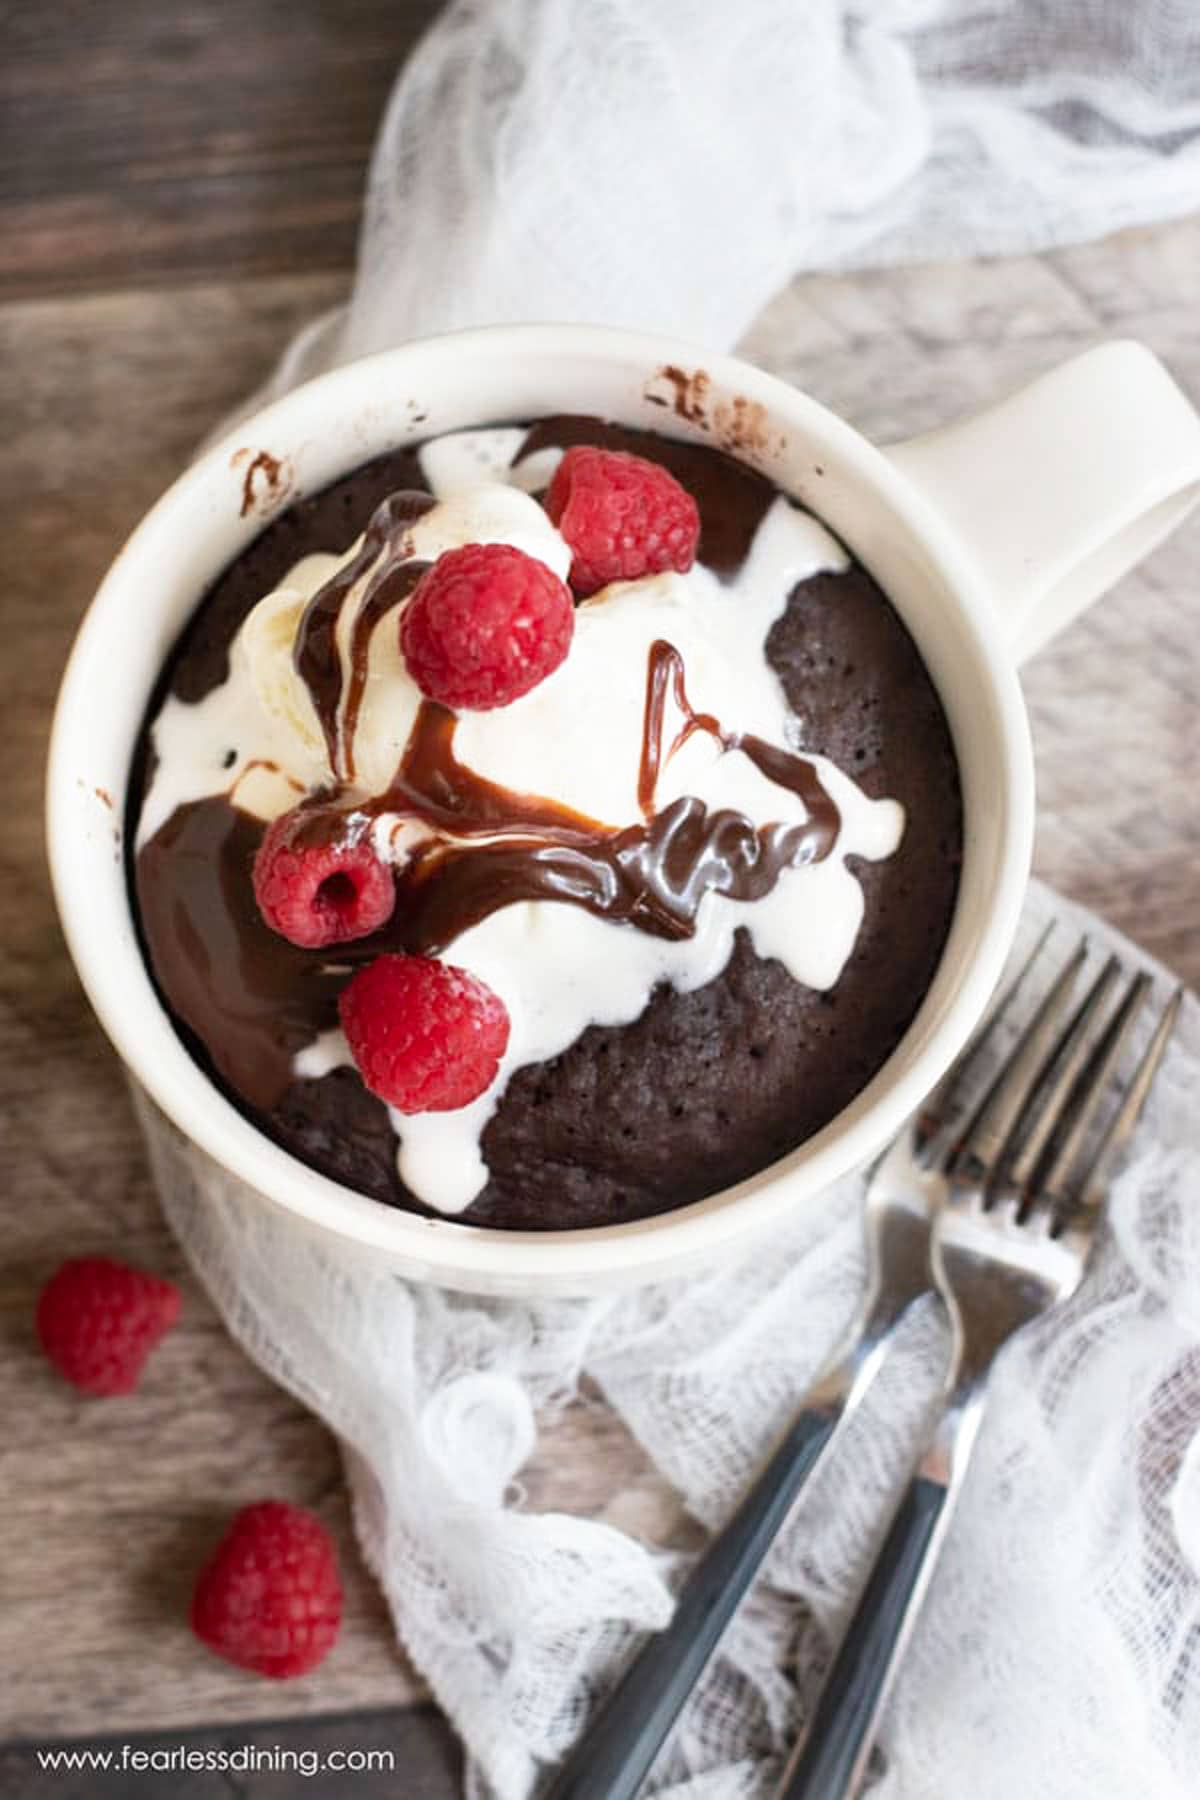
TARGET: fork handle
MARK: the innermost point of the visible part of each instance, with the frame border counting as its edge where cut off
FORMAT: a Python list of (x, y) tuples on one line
[(614, 1754), (833, 1752), (831, 1758)]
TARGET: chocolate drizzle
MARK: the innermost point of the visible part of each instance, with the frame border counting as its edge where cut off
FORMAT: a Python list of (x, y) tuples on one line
[(487, 846), (490, 846), (315, 656), (388, 590), (251, 999), (665, 673)]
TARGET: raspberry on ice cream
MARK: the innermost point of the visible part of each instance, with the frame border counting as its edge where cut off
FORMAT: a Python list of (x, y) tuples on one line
[(269, 1598), (426, 1036), (321, 893), (622, 516), (486, 624), (98, 1321)]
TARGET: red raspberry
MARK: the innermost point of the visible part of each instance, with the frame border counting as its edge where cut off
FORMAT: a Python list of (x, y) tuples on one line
[(98, 1321), (622, 516), (485, 625), (316, 894), (427, 1037), (269, 1598)]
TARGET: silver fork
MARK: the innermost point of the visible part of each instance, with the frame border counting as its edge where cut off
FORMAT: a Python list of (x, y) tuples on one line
[(905, 1189), (1011, 1236), (612, 1757)]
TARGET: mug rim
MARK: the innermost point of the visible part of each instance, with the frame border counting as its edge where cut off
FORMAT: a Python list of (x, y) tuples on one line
[(445, 1249)]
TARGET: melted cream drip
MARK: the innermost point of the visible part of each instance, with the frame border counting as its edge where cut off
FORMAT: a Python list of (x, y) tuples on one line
[(577, 738)]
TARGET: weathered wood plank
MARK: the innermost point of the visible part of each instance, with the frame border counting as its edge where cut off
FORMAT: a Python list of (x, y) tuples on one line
[(144, 143)]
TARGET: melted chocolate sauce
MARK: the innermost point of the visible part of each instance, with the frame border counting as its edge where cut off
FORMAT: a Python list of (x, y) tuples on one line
[(433, 786), (665, 671), (495, 846), (251, 999), (315, 656), (388, 590)]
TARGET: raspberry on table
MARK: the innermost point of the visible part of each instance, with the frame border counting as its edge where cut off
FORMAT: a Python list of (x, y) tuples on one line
[(270, 1598), (98, 1320), (622, 516), (426, 1036), (319, 893), (485, 625)]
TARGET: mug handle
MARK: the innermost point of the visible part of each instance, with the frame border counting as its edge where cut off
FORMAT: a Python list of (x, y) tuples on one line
[(1055, 492)]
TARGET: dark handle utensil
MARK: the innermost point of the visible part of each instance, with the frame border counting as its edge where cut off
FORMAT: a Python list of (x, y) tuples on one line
[(838, 1739), (614, 1755)]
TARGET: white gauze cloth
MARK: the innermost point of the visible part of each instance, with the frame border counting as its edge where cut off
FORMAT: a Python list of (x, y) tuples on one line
[(671, 166)]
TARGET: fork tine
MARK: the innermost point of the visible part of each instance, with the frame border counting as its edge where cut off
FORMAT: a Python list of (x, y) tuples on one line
[(1093, 1181), (978, 1150), (1049, 1179), (940, 1102), (1056, 1080)]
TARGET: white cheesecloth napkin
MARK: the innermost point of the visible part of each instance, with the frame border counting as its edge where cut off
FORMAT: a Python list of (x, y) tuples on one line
[(671, 165)]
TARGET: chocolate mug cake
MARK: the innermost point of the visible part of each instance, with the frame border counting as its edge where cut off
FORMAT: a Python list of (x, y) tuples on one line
[(546, 826)]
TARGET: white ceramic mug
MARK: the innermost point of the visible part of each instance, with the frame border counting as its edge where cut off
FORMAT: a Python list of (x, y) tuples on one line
[(987, 536)]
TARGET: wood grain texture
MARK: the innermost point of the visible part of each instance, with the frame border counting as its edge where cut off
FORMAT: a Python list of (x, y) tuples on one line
[(146, 143), (220, 213)]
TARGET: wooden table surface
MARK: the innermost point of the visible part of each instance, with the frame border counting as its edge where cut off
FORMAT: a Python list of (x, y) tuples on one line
[(180, 190)]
